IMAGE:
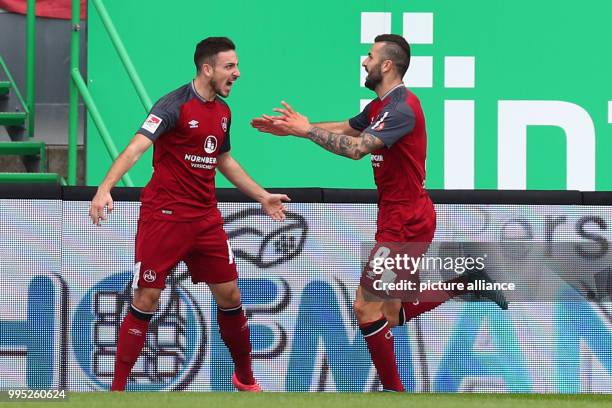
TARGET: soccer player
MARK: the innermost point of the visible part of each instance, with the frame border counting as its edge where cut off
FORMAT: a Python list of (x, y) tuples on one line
[(179, 219), (392, 129)]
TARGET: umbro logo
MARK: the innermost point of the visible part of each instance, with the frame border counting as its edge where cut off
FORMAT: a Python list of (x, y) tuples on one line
[(193, 123), (135, 332)]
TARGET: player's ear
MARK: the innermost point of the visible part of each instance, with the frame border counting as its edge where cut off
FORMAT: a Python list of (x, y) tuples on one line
[(387, 65), (207, 69)]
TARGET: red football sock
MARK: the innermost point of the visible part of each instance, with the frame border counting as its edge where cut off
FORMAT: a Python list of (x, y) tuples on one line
[(429, 300), (379, 339), (236, 336), (132, 336)]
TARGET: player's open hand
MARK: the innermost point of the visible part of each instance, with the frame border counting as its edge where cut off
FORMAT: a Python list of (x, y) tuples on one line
[(273, 205), (266, 124), (297, 123), (101, 200)]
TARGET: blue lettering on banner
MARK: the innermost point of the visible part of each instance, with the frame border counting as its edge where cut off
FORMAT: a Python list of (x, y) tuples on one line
[(320, 321), (576, 321), (36, 334), (461, 360)]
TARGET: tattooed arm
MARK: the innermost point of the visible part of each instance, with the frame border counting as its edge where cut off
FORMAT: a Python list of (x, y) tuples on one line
[(353, 145), (343, 128), (274, 126), (349, 146)]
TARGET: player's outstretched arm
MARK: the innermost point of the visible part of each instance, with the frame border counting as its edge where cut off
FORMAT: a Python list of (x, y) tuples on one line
[(342, 128), (266, 124), (130, 155), (272, 204), (342, 144)]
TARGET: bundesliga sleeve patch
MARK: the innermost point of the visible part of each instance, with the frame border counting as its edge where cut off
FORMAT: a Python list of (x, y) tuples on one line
[(152, 123)]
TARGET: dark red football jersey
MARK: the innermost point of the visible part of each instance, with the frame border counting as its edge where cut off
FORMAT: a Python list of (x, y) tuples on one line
[(189, 133), (399, 167)]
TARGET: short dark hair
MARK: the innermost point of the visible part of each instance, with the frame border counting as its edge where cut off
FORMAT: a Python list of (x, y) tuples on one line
[(397, 50), (208, 48)]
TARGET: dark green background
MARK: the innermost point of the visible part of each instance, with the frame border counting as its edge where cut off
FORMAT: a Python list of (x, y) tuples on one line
[(308, 54)]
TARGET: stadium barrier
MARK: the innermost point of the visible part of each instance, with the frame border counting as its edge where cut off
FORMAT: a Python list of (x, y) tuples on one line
[(66, 286)]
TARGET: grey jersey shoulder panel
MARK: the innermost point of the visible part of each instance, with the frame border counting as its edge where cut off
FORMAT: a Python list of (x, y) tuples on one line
[(167, 108), (361, 121), (395, 120)]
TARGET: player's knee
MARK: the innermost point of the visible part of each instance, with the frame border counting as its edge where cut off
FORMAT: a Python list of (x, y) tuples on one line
[(392, 318), (234, 298), (146, 299), (229, 298), (358, 309), (364, 312), (391, 311)]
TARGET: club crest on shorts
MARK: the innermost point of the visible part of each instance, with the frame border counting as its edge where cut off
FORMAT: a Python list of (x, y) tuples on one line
[(210, 144), (224, 123), (149, 275)]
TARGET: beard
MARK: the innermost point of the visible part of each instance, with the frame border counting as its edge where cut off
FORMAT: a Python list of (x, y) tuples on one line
[(218, 85), (374, 78)]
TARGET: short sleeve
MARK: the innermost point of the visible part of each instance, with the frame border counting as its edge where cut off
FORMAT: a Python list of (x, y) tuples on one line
[(162, 117), (226, 146), (361, 121), (392, 124)]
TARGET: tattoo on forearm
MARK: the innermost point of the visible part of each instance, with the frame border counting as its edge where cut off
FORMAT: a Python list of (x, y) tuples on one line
[(349, 146)]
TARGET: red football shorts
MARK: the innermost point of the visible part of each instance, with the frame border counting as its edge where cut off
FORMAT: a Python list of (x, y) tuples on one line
[(203, 245), (403, 233)]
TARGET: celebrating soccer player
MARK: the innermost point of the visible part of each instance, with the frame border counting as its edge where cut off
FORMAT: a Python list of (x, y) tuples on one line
[(179, 219), (392, 129)]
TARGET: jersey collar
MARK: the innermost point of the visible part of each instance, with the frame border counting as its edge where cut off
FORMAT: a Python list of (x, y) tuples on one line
[(200, 97), (400, 85)]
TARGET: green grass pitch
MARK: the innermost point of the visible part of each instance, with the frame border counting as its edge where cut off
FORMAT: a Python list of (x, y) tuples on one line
[(320, 400)]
